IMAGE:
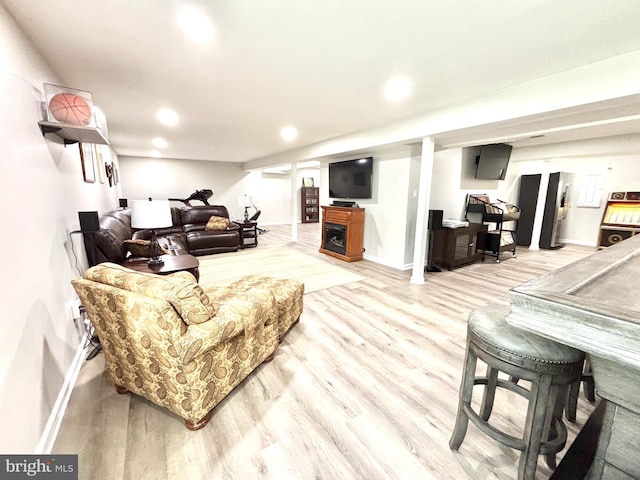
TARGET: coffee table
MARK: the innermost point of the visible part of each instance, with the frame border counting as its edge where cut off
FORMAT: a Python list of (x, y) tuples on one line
[(172, 264)]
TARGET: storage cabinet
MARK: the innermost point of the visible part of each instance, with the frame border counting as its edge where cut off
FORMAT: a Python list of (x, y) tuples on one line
[(454, 247), (310, 208)]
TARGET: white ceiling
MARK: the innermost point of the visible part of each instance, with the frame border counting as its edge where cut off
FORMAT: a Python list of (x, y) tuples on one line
[(321, 65)]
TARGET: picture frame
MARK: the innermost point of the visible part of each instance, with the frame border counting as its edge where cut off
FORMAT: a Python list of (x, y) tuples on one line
[(100, 164), (87, 162), (108, 167), (307, 182)]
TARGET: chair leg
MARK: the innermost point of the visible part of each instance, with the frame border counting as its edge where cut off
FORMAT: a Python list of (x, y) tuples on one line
[(466, 392), (199, 424), (534, 427), (489, 393), (121, 390), (559, 399), (588, 383), (270, 357), (572, 402)]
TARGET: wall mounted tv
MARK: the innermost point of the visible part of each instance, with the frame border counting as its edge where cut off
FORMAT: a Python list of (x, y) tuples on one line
[(351, 178), (493, 160)]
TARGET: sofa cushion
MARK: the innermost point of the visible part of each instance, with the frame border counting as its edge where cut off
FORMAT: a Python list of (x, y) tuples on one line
[(184, 294), (141, 248), (217, 223)]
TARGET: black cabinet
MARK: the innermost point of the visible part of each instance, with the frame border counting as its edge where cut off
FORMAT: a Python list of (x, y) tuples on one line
[(454, 247)]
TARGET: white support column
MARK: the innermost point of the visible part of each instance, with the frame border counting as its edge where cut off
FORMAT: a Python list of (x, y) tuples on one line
[(424, 197), (295, 214)]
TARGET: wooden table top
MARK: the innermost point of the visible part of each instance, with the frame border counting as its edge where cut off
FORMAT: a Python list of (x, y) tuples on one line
[(172, 264)]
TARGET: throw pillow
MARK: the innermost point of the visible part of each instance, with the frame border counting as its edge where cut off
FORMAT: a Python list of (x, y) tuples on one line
[(217, 223), (141, 248)]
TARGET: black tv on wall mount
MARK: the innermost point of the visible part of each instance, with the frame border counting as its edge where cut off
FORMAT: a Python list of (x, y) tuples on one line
[(493, 161), (351, 178)]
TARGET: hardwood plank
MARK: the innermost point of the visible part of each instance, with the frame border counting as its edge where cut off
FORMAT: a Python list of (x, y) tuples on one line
[(365, 386)]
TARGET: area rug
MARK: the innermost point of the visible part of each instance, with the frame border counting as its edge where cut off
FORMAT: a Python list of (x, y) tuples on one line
[(274, 261)]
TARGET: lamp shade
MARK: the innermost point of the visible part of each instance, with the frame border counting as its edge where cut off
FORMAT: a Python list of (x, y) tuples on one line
[(150, 214), (245, 201)]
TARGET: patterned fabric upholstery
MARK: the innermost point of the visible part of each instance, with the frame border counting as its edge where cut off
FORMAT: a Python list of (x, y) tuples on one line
[(187, 367), (288, 295)]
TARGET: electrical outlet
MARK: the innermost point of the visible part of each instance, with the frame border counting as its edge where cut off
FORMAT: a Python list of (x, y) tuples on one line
[(75, 309)]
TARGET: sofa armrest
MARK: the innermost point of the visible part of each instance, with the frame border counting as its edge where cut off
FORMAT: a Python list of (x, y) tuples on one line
[(238, 313)]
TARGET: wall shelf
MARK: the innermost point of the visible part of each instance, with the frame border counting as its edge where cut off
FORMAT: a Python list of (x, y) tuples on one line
[(72, 134)]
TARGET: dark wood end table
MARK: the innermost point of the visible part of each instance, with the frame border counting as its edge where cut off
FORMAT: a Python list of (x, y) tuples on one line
[(248, 234), (172, 264)]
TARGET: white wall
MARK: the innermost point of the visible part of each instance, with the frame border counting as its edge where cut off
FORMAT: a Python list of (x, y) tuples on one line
[(170, 178), (387, 223), (621, 173), (42, 189)]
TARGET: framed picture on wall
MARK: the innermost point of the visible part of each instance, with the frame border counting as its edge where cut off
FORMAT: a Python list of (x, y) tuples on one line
[(86, 159), (99, 163), (307, 182)]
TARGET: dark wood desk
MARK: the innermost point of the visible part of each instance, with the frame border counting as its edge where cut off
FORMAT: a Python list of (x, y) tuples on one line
[(172, 264)]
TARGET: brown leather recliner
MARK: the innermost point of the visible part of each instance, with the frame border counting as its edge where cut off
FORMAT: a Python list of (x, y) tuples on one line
[(204, 242)]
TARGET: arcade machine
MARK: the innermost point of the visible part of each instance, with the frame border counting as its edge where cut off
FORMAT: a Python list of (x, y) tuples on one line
[(621, 219)]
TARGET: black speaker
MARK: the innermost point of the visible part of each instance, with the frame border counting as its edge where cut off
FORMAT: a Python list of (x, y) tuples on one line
[(88, 222), (435, 219), (123, 202)]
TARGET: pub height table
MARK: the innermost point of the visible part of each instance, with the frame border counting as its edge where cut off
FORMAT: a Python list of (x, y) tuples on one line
[(594, 305)]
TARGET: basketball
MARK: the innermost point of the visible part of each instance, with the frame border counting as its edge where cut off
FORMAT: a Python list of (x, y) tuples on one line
[(70, 109)]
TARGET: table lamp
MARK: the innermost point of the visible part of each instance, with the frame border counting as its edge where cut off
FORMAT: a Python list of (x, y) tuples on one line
[(151, 214), (245, 201)]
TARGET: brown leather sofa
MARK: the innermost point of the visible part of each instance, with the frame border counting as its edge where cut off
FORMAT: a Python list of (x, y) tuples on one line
[(204, 242), (187, 235)]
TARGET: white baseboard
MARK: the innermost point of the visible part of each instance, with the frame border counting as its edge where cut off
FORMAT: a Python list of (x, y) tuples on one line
[(578, 242), (387, 263), (48, 438)]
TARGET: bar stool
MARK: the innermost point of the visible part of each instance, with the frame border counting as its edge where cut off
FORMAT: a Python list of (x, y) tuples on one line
[(550, 367)]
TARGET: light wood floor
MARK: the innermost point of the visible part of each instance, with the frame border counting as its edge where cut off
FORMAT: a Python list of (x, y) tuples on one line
[(364, 387)]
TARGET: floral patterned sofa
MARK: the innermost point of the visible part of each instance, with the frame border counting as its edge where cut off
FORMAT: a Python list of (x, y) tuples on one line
[(180, 346)]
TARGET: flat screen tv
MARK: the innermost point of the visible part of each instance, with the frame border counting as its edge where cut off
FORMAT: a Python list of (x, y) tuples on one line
[(493, 160), (351, 178)]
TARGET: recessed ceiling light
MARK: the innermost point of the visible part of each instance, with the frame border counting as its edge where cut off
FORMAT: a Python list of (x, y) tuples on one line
[(397, 89), (289, 133), (168, 117), (159, 142), (195, 24), (155, 153)]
